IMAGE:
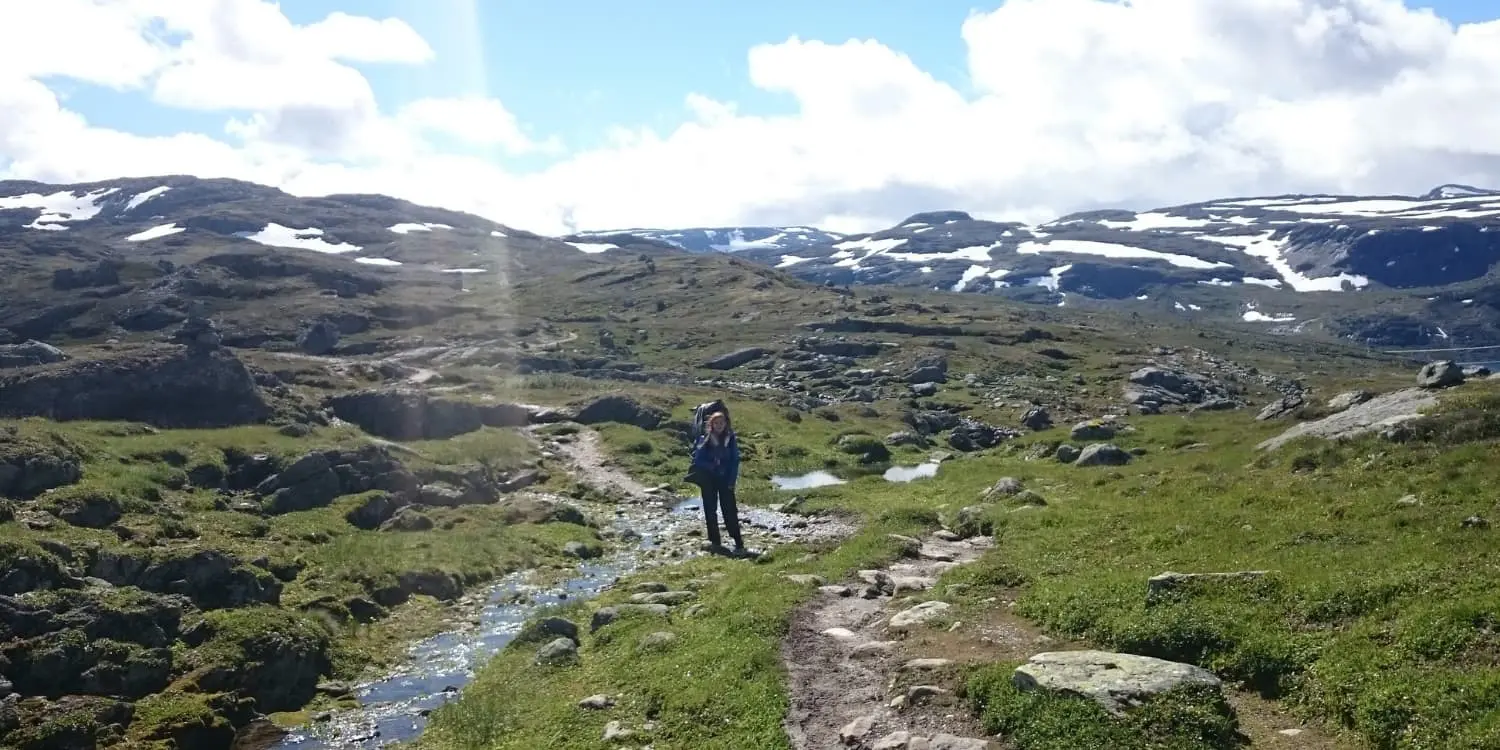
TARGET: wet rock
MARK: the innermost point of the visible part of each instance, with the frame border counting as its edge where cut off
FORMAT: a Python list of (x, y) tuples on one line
[(166, 387), (319, 338), (582, 550), (1113, 680), (1036, 419), (547, 629), (736, 358), (560, 652), (29, 354), (1443, 374), (1102, 454), (921, 614)]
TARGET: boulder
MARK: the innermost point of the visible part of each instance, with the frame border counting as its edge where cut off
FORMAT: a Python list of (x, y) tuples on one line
[(620, 409), (1348, 399), (1443, 374), (1036, 419), (1281, 407), (972, 435), (1092, 430), (735, 358), (1115, 681), (1102, 454), (30, 353), (166, 387), (319, 337), (1381, 413)]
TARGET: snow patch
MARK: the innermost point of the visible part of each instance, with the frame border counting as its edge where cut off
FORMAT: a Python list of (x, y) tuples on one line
[(787, 261), (145, 195), (1271, 251), (276, 235), (408, 228), (57, 208), (165, 230), (1112, 250), (594, 248), (378, 261)]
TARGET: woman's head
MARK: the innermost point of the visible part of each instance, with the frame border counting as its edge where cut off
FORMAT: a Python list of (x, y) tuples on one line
[(718, 423)]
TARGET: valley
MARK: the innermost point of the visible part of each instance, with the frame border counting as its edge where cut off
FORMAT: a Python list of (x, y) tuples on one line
[(283, 472)]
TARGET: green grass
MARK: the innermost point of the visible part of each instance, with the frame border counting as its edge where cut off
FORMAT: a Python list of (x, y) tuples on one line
[(717, 687)]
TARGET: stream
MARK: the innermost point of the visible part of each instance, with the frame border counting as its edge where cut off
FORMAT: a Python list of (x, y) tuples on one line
[(394, 708)]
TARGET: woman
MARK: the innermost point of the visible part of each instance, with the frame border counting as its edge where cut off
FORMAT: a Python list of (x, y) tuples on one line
[(715, 469)]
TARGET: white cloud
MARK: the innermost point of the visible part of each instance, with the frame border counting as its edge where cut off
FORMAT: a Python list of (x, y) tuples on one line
[(1069, 104)]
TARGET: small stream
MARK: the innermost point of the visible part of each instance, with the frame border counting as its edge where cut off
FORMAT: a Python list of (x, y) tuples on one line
[(824, 478), (394, 709)]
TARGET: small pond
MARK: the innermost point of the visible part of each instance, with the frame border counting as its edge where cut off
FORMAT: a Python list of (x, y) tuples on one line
[(822, 478)]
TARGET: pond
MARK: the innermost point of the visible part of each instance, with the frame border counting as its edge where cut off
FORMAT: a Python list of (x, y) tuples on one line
[(909, 473), (822, 478)]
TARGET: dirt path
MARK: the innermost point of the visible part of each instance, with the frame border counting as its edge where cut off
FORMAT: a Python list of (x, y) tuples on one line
[(590, 464), (851, 681), (851, 672)]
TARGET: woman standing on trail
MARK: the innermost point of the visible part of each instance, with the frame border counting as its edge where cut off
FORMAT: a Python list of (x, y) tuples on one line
[(715, 469)]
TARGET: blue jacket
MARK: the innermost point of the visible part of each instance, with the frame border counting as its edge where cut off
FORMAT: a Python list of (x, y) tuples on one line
[(722, 462)]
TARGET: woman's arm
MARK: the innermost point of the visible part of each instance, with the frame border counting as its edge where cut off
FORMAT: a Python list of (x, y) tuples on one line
[(732, 471)]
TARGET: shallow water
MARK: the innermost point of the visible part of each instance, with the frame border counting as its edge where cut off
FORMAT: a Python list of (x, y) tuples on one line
[(909, 473), (806, 481), (394, 709)]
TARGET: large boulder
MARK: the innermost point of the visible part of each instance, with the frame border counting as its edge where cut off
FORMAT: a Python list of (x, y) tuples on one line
[(1373, 415), (1444, 374), (621, 409), (1114, 681), (29, 353), (166, 387), (399, 414), (319, 337), (735, 358), (1102, 454)]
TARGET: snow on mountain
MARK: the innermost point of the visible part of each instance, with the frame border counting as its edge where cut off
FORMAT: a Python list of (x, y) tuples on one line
[(728, 239)]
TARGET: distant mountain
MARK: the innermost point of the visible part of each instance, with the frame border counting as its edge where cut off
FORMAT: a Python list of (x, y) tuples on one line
[(726, 239), (1422, 265)]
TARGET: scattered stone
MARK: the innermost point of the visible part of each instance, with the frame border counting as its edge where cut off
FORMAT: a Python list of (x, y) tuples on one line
[(935, 554), (1348, 399), (893, 741), (1476, 522), (1158, 586), (1092, 430), (1066, 454), (951, 742), (1115, 681), (660, 640), (804, 579), (736, 358), (1102, 454), (921, 614), (855, 731), (906, 438), (971, 521), (1003, 487), (1442, 374), (1409, 501), (1036, 419), (916, 695), (872, 649), (597, 702), (1281, 407), (972, 435), (559, 653), (619, 409), (616, 732), (927, 664), (607, 615)]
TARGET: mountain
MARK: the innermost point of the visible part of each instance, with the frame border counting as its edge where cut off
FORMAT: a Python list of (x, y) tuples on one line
[(135, 256), (1390, 270), (724, 239)]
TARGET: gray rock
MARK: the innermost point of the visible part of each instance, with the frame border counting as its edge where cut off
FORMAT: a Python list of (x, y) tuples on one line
[(1281, 407), (1443, 374), (1115, 681), (559, 653), (972, 521), (924, 390), (607, 615), (319, 337), (667, 598), (921, 614), (30, 353), (1003, 487), (1160, 585), (906, 437), (1102, 454), (615, 731), (893, 741), (1376, 415), (408, 519), (1092, 430), (1348, 399), (1036, 419), (855, 731), (916, 695), (951, 742), (735, 358), (657, 641), (1066, 454), (597, 702), (582, 551)]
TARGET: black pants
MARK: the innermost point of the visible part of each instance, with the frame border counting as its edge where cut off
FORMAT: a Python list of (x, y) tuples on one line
[(716, 496)]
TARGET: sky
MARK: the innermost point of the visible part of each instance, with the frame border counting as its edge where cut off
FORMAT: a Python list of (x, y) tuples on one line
[(595, 114)]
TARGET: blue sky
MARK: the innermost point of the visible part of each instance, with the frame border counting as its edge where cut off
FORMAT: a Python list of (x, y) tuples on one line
[(574, 68)]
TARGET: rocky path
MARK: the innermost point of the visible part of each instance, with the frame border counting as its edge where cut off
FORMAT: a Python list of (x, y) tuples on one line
[(853, 681)]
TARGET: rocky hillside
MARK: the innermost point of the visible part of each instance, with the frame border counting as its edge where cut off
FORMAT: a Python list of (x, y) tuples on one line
[(725, 239), (1391, 270)]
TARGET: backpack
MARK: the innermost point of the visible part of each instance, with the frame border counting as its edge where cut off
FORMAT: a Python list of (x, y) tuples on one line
[(700, 418)]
